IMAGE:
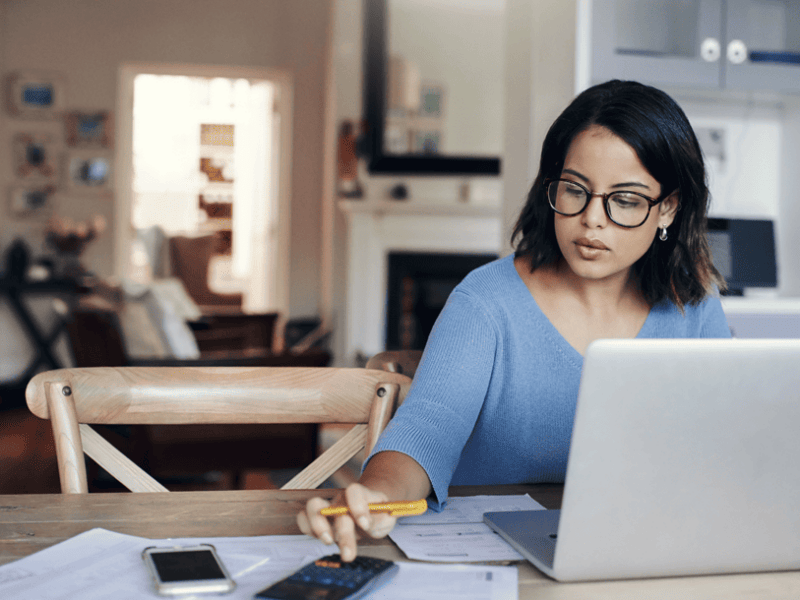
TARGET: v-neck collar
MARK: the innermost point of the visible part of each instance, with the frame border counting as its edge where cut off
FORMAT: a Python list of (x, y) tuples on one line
[(547, 326)]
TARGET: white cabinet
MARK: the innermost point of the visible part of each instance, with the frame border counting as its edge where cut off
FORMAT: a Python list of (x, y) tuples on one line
[(698, 44)]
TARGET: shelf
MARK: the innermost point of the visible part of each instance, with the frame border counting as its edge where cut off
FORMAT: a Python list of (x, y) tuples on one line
[(418, 207)]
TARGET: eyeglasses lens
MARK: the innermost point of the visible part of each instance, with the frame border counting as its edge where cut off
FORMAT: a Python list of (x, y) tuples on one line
[(624, 208), (567, 198)]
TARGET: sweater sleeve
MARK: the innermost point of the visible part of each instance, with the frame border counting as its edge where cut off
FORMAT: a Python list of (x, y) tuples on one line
[(441, 408)]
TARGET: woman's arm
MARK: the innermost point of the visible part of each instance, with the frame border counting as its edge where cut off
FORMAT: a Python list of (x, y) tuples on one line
[(389, 476), (420, 448)]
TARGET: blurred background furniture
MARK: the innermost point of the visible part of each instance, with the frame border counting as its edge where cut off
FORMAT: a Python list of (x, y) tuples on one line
[(14, 292), (190, 258), (73, 398)]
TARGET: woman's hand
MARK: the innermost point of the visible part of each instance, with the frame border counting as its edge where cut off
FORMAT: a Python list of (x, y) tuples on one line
[(343, 529), (389, 476)]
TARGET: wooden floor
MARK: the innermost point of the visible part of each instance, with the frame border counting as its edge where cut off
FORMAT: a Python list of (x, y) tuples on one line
[(28, 462)]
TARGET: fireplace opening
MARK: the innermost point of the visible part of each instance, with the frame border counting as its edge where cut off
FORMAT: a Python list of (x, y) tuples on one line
[(419, 284)]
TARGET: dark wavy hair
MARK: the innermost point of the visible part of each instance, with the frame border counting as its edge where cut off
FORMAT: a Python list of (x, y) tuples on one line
[(653, 124)]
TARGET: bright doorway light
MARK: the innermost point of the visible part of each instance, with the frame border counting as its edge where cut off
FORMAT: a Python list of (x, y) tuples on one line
[(206, 158)]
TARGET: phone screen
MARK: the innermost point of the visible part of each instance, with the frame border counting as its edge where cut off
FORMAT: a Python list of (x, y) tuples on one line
[(186, 566)]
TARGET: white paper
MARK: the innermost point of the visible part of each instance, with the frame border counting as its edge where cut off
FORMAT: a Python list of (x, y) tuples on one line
[(101, 564), (458, 533), (470, 509), (419, 581)]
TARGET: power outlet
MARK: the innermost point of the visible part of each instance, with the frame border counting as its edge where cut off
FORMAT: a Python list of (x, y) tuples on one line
[(712, 141)]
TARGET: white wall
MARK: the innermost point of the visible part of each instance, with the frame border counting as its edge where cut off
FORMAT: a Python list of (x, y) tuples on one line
[(540, 81), (787, 226)]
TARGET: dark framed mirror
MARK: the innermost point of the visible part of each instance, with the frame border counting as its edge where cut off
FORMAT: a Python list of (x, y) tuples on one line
[(409, 129)]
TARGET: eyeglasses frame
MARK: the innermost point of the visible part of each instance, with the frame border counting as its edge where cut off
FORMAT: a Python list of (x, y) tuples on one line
[(650, 201)]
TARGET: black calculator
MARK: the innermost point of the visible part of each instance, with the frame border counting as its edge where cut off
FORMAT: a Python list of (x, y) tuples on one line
[(330, 578)]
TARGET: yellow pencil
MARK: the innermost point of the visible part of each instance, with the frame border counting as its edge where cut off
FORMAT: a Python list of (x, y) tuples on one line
[(395, 509)]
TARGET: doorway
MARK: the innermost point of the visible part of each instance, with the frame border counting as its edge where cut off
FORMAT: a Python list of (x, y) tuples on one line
[(203, 152)]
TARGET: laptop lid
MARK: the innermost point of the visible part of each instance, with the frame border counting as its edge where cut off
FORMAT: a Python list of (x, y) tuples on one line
[(683, 461)]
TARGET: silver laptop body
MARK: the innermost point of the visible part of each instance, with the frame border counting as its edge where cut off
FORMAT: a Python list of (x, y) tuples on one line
[(684, 459)]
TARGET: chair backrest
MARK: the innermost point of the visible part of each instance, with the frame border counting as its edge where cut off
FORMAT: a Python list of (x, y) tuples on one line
[(74, 398), (396, 361)]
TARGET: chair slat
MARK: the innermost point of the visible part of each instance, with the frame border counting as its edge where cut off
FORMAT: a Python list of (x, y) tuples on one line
[(117, 464), (331, 461)]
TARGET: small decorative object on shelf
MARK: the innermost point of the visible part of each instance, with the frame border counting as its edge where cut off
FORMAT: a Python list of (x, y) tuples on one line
[(464, 191), (69, 239), (347, 159), (399, 192)]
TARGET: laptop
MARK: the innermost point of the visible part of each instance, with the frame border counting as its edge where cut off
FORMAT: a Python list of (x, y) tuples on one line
[(684, 460)]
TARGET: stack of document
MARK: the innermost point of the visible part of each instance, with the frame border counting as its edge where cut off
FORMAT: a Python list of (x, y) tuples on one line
[(458, 533)]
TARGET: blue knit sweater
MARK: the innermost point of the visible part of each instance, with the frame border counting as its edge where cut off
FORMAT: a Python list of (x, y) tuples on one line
[(494, 396)]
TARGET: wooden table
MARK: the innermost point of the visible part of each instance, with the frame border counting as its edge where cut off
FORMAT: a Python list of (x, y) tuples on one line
[(29, 523)]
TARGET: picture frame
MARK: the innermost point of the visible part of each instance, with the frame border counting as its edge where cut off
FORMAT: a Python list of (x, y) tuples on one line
[(89, 129), (432, 99), (427, 142), (35, 95), (89, 171), (32, 200), (35, 156)]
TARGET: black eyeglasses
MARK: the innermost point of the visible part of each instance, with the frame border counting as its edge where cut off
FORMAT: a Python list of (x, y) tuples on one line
[(626, 209)]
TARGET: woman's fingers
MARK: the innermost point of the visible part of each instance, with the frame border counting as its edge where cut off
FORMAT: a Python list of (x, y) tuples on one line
[(382, 525), (345, 536), (342, 529), (375, 524), (356, 497), (311, 522)]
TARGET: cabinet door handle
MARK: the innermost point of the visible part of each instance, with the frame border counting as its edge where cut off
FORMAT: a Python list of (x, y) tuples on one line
[(737, 52), (710, 49)]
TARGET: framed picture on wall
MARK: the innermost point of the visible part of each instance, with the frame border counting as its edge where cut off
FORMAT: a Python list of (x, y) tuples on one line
[(88, 129), (31, 201), (88, 171), (431, 100), (427, 142), (35, 95), (35, 157)]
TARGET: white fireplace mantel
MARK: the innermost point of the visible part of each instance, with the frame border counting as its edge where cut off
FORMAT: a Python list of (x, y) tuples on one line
[(377, 228)]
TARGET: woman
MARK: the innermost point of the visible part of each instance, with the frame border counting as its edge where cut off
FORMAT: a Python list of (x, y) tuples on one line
[(611, 243)]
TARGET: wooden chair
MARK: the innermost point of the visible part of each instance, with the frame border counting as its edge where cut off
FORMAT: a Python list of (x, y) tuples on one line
[(74, 398), (188, 455), (396, 361), (189, 259)]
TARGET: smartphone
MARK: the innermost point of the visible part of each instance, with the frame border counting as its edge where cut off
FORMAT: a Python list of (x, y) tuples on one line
[(187, 570)]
